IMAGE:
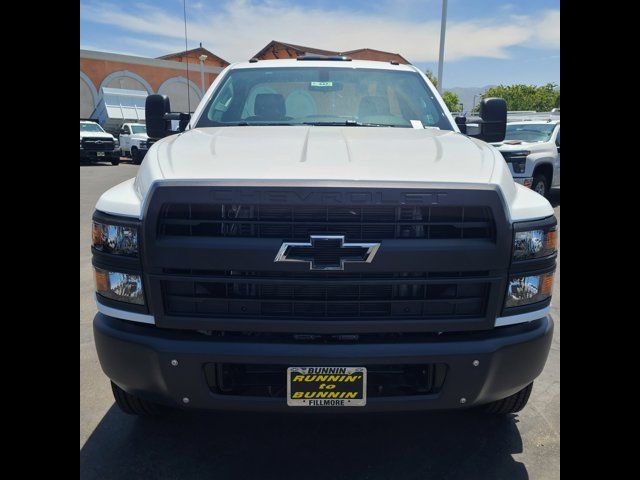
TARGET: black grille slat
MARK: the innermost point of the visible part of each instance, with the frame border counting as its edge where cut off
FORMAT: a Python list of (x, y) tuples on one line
[(98, 144), (299, 222), (241, 294)]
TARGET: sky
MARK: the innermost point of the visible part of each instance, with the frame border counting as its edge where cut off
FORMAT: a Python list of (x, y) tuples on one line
[(488, 42)]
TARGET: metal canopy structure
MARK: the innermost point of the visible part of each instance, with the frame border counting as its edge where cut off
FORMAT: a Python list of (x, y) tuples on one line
[(117, 106)]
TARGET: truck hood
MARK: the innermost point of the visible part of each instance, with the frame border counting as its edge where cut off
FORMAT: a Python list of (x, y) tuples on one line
[(139, 136), (324, 156), (97, 135), (531, 146), (324, 153)]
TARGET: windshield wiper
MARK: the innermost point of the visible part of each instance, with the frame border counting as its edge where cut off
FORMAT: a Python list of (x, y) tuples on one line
[(351, 123)]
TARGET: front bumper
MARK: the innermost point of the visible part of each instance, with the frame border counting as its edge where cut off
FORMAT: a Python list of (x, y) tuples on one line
[(526, 181), (138, 359), (93, 154)]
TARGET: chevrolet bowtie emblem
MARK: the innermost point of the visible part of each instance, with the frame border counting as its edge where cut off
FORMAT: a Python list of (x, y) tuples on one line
[(327, 252)]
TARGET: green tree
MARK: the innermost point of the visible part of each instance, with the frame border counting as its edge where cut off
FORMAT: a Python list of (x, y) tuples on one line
[(452, 101), (432, 77), (527, 97)]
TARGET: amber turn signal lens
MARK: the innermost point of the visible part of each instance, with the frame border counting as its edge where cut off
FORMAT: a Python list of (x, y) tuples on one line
[(552, 240), (546, 285), (102, 280)]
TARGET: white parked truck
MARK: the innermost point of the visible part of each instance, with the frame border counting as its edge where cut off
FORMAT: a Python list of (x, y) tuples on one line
[(97, 145), (320, 235), (133, 141), (532, 151)]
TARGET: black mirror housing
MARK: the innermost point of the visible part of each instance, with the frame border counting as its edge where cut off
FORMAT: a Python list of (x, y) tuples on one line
[(158, 116), (493, 120), (493, 112), (155, 108)]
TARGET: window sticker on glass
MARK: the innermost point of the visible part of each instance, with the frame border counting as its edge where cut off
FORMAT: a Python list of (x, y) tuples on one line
[(322, 84), (416, 124)]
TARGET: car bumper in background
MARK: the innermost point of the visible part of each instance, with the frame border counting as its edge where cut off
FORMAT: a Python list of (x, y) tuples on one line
[(93, 154), (526, 181)]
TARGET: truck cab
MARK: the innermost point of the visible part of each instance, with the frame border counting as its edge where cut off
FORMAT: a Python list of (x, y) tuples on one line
[(96, 144), (320, 236), (133, 141), (532, 152)]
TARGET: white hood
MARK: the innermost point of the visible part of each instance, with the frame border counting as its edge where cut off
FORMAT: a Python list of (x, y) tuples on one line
[(323, 153), (317, 156), (96, 135)]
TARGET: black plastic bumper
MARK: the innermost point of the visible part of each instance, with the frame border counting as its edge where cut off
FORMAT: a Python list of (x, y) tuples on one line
[(138, 359), (93, 154)]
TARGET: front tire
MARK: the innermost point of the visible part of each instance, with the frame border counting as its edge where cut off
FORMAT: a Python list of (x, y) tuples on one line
[(135, 156), (512, 404), (133, 405), (539, 185), (115, 161)]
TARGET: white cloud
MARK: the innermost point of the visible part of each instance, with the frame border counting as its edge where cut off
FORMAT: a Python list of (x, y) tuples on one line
[(237, 29)]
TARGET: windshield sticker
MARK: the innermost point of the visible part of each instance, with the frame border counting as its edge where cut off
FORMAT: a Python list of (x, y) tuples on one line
[(416, 124), (322, 84)]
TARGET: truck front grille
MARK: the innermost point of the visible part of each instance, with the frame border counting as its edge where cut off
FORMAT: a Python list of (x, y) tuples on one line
[(265, 380), (98, 144), (336, 296), (298, 222)]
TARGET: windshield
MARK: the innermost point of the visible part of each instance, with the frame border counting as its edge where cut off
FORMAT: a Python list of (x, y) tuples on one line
[(139, 128), (323, 96), (530, 132), (90, 127)]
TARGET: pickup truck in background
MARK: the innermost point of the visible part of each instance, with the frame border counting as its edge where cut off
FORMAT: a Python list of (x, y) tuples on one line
[(133, 141), (97, 145), (321, 236), (532, 151)]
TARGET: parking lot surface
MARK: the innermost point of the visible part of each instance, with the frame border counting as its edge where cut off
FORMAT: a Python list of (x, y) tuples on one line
[(186, 445)]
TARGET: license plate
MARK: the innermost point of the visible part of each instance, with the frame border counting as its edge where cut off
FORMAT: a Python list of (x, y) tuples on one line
[(100, 154), (326, 386)]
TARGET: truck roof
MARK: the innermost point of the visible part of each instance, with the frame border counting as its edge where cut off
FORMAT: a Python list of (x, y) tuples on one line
[(292, 62)]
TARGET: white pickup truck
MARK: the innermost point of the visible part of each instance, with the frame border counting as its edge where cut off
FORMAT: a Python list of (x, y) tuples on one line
[(97, 145), (321, 236), (133, 141), (532, 151)]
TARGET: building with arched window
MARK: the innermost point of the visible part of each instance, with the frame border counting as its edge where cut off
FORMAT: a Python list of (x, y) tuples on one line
[(166, 75)]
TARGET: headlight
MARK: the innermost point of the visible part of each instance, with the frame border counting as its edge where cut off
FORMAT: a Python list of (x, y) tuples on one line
[(123, 287), (529, 289), (536, 243), (518, 160), (115, 239), (519, 166)]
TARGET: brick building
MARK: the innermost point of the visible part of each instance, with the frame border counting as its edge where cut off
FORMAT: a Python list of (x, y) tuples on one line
[(166, 75), (275, 49)]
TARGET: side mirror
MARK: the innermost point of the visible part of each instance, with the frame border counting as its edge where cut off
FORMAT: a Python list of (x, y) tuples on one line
[(155, 108), (493, 120), (462, 124), (157, 111)]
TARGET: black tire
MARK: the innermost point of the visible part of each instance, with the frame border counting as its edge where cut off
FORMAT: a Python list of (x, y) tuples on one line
[(512, 404), (115, 161), (132, 405), (136, 159), (540, 185)]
